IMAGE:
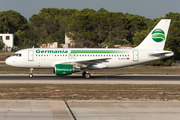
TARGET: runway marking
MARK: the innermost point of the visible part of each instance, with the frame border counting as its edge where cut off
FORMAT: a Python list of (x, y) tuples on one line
[(70, 110)]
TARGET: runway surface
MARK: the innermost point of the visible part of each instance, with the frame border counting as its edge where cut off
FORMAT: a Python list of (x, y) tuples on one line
[(95, 79), (88, 110)]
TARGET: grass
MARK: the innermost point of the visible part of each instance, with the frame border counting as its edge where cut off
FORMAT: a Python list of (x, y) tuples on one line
[(90, 92), (5, 55), (5, 69)]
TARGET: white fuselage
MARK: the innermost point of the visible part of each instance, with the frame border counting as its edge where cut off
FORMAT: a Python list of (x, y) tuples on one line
[(49, 57)]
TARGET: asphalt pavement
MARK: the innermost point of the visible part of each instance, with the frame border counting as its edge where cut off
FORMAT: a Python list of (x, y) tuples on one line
[(95, 79)]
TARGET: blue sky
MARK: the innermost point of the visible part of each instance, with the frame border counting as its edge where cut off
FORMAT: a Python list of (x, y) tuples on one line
[(147, 8)]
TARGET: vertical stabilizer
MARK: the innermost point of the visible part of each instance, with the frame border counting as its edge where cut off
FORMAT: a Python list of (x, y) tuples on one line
[(157, 37)]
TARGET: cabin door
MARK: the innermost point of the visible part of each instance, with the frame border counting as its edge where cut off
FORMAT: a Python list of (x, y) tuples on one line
[(31, 55), (135, 56)]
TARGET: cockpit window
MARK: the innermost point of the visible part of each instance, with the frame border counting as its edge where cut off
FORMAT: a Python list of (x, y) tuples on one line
[(17, 54)]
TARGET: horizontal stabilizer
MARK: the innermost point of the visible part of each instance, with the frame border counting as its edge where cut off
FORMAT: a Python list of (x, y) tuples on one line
[(160, 53)]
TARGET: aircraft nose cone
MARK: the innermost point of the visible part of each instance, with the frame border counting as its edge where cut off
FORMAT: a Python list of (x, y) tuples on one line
[(8, 61)]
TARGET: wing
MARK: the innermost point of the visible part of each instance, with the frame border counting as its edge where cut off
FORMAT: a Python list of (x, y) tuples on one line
[(93, 61), (82, 63)]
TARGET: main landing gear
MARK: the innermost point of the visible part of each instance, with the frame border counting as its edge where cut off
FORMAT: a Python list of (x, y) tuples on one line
[(31, 72), (85, 74)]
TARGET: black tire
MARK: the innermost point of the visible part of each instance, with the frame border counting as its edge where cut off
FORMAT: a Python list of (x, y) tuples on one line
[(87, 75)]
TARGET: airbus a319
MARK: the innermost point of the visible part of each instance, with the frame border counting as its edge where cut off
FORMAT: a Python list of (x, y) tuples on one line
[(67, 61)]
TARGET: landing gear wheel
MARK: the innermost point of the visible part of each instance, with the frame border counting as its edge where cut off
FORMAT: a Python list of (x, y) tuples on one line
[(31, 72), (83, 74), (87, 75), (30, 75)]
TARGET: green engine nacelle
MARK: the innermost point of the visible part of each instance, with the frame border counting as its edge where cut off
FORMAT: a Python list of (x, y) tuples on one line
[(63, 69)]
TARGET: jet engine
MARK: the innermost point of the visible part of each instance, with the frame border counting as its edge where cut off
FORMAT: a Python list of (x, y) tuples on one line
[(65, 69)]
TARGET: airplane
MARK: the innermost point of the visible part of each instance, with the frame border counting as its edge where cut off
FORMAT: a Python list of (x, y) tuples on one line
[(65, 61)]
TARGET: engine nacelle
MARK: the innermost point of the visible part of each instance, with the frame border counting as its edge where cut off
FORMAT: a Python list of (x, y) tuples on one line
[(65, 69)]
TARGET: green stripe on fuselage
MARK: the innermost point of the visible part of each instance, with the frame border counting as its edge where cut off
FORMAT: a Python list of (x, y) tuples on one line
[(98, 51)]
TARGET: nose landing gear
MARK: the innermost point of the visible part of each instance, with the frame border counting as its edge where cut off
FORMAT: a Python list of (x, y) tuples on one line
[(31, 72)]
